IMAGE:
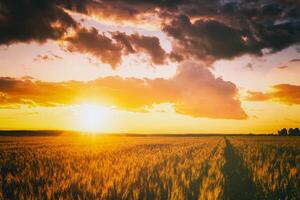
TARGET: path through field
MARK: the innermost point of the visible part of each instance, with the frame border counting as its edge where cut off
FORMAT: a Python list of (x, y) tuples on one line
[(119, 167), (238, 183)]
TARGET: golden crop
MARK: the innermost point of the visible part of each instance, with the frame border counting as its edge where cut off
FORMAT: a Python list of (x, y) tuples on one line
[(123, 167), (274, 165)]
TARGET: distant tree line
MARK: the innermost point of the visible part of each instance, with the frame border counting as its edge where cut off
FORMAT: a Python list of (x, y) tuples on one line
[(290, 132)]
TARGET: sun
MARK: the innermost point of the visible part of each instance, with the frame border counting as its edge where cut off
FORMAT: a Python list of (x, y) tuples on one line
[(91, 118)]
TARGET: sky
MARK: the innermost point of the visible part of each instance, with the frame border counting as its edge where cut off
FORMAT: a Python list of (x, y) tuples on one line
[(162, 66)]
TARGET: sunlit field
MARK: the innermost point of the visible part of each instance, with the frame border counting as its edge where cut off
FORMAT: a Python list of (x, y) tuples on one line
[(149, 99), (149, 167)]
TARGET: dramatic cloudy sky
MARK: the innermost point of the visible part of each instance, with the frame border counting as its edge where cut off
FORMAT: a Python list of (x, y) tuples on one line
[(171, 66)]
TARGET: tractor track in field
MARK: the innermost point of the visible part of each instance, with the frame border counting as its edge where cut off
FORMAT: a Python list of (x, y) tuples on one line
[(238, 181)]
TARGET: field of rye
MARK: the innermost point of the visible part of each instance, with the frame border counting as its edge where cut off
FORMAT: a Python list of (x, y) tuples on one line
[(126, 167)]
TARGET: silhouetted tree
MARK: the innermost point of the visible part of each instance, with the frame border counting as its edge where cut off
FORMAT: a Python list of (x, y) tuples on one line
[(290, 132), (297, 132), (282, 132), (294, 132)]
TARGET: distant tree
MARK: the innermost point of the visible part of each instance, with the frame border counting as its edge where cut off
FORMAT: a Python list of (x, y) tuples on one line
[(297, 132), (283, 132), (291, 132), (294, 132)]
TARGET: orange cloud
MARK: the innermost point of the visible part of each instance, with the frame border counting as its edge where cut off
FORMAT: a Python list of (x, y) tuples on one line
[(193, 91), (49, 57), (283, 67), (283, 93), (116, 11)]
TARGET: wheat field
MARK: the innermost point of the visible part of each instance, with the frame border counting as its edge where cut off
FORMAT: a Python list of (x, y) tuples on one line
[(153, 167)]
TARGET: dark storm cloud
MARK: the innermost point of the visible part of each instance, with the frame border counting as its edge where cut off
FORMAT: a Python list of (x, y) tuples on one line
[(99, 45), (227, 29), (32, 20), (111, 49), (147, 44), (213, 39), (203, 29), (207, 39)]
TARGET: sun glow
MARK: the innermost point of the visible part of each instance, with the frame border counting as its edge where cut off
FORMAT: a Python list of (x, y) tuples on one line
[(91, 118)]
